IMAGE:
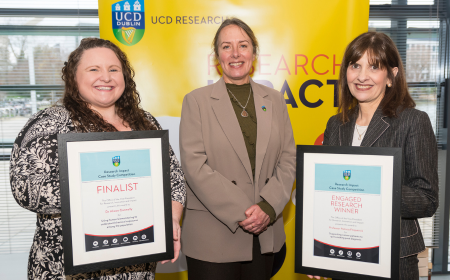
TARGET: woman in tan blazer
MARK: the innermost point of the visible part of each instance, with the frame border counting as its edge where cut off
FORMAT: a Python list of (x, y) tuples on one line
[(238, 155)]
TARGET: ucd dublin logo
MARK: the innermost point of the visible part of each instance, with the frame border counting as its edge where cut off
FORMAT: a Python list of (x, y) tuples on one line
[(116, 161), (128, 21), (347, 174)]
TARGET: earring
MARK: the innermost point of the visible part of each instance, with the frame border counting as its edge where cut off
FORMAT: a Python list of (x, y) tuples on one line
[(389, 85)]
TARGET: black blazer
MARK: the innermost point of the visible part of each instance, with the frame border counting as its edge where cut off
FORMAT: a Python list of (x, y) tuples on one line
[(412, 132)]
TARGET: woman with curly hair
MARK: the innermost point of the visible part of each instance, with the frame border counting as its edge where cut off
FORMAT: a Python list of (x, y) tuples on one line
[(100, 95)]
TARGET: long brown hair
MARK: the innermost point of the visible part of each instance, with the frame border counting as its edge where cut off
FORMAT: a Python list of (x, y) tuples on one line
[(382, 53), (127, 106)]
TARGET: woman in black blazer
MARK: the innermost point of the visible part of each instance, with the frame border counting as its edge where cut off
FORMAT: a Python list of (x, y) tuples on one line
[(376, 110)]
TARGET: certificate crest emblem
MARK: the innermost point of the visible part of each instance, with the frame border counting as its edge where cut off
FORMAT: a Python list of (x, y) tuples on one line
[(347, 174), (128, 21), (116, 161)]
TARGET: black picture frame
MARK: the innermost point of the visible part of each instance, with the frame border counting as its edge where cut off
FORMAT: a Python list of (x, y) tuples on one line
[(64, 166), (396, 153)]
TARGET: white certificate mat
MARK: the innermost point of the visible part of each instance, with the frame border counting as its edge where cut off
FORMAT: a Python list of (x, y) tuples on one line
[(347, 213), (117, 200)]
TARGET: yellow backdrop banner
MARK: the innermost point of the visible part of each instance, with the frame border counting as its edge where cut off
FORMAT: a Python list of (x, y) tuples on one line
[(301, 47)]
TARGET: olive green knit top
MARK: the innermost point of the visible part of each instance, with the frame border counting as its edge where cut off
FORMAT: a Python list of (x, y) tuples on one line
[(249, 129), (248, 124)]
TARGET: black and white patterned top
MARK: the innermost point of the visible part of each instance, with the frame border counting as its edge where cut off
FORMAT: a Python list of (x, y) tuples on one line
[(34, 177)]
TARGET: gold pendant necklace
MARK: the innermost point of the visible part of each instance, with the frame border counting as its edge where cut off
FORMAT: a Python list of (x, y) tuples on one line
[(244, 113), (360, 134)]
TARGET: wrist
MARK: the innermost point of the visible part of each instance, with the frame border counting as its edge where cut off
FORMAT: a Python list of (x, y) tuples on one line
[(268, 210)]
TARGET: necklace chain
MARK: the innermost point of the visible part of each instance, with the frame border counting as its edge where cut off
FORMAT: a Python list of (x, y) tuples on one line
[(244, 112), (360, 134)]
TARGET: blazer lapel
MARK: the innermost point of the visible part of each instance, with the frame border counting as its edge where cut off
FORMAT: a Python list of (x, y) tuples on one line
[(226, 116), (377, 127), (346, 131), (264, 125)]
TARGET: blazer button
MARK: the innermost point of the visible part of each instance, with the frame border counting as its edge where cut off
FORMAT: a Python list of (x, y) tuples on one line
[(267, 181), (234, 182)]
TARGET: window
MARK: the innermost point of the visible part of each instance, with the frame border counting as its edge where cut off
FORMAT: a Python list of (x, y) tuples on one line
[(419, 29), (34, 43)]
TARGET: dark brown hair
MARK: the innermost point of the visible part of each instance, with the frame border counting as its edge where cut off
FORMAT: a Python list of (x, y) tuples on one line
[(127, 106), (241, 24), (382, 53)]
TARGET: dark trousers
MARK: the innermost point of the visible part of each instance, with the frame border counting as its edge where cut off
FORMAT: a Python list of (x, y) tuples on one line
[(409, 269), (260, 268)]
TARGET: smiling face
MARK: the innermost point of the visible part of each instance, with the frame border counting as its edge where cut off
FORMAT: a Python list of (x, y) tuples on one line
[(99, 78), (235, 54), (367, 83)]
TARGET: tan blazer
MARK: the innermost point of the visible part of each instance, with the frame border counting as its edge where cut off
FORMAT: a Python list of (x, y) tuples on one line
[(219, 176)]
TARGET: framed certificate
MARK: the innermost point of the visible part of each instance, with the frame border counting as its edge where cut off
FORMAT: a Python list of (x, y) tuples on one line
[(348, 212), (115, 198)]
